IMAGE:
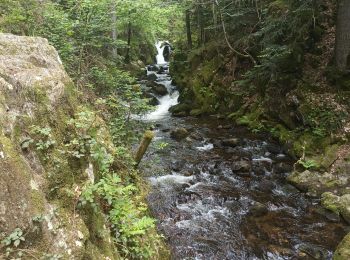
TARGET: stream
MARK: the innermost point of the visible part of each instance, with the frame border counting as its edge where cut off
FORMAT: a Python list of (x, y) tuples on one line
[(221, 193)]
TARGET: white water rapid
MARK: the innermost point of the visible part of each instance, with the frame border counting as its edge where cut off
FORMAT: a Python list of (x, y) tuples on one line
[(160, 57), (170, 99)]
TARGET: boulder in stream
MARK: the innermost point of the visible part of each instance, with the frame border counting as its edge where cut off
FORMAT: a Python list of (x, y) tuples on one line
[(159, 89), (241, 166), (180, 109), (258, 209), (152, 77), (152, 68), (343, 249), (231, 142), (179, 133)]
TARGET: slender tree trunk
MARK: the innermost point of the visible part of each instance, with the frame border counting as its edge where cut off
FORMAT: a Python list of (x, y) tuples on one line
[(215, 20), (342, 49), (200, 24), (127, 56), (114, 28), (147, 139), (188, 29)]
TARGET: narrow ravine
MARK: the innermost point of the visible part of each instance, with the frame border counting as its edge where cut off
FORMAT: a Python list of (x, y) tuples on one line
[(220, 191)]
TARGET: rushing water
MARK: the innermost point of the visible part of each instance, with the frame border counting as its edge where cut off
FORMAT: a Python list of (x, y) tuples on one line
[(209, 208)]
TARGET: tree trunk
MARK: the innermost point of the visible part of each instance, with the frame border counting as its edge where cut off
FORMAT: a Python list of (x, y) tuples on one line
[(188, 28), (127, 56), (114, 28), (342, 49), (147, 139), (200, 24)]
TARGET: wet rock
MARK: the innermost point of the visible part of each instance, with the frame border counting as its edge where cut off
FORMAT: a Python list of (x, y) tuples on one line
[(258, 209), (261, 166), (152, 68), (224, 126), (180, 109), (216, 143), (194, 171), (266, 186), (281, 158), (231, 142), (273, 148), (162, 70), (179, 133), (241, 166), (315, 182), (167, 52), (240, 152), (153, 101), (158, 89), (315, 252), (152, 77), (196, 136), (258, 169), (177, 165), (303, 180), (328, 214), (337, 204), (282, 168), (188, 173), (343, 250)]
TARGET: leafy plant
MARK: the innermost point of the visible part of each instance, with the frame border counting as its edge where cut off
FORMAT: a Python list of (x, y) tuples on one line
[(126, 216), (308, 164), (43, 139), (15, 238)]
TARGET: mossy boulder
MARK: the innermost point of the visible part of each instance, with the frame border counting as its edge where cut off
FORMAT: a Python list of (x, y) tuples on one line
[(337, 204), (36, 90), (315, 182), (179, 133), (180, 109), (343, 249)]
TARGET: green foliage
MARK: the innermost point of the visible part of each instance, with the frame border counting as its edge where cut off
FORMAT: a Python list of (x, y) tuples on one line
[(15, 238), (324, 119), (308, 164), (19, 17), (126, 216), (43, 139)]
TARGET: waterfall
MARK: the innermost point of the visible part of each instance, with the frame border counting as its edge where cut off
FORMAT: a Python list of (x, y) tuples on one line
[(170, 99), (160, 57)]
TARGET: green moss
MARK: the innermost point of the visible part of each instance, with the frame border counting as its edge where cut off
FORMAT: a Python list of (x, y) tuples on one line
[(343, 249), (196, 112), (252, 119), (100, 238), (331, 202), (38, 202)]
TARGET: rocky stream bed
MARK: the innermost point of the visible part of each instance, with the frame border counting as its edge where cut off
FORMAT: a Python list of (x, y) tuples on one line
[(220, 192)]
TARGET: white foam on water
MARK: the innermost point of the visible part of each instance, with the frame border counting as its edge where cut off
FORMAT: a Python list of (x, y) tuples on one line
[(170, 179), (162, 109), (263, 159), (206, 147)]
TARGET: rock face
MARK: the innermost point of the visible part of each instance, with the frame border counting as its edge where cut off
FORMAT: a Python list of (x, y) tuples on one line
[(36, 90)]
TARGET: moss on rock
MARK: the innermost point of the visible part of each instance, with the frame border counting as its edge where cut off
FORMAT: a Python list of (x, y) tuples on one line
[(343, 250)]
